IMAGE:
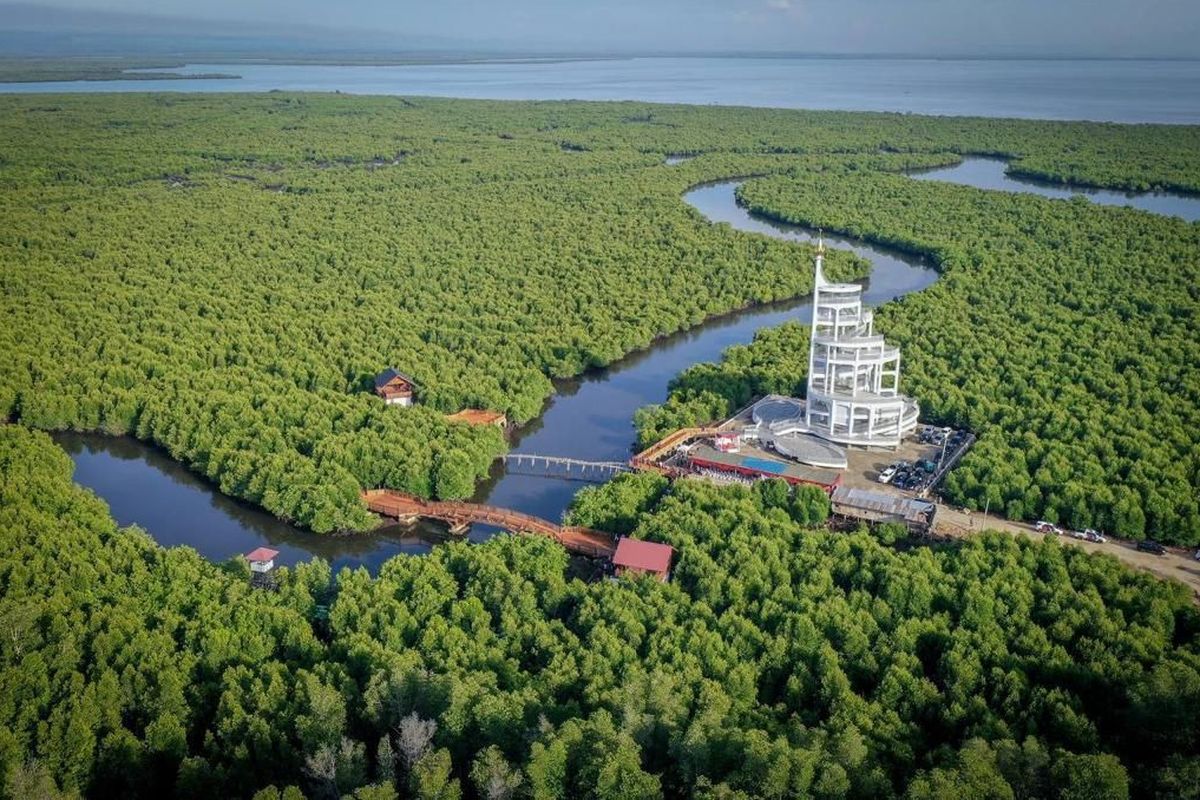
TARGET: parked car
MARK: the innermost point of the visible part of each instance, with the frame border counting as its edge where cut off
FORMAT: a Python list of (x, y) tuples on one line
[(887, 474), (1077, 534), (1041, 526), (1093, 535), (1151, 546)]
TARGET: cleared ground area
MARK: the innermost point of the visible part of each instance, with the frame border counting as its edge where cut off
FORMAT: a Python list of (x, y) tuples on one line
[(863, 466)]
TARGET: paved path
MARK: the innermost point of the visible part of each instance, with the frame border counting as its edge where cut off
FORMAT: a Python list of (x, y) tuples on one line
[(1177, 563)]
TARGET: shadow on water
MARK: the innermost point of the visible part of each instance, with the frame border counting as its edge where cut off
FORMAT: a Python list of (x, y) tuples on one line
[(989, 173), (144, 486), (588, 418)]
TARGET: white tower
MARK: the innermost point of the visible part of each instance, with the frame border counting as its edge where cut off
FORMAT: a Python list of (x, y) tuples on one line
[(853, 375)]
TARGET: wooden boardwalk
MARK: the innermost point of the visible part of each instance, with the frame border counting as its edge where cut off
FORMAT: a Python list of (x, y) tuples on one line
[(583, 541), (649, 458)]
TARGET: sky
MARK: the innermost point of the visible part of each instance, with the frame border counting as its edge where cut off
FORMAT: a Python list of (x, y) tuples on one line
[(1114, 28)]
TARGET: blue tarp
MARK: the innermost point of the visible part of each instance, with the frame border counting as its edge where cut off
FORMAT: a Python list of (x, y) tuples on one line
[(763, 465)]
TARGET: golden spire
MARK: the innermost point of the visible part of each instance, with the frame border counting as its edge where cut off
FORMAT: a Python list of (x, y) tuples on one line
[(818, 273)]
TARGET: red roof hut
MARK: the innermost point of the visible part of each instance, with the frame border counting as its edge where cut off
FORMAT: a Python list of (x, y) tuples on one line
[(637, 557), (262, 559)]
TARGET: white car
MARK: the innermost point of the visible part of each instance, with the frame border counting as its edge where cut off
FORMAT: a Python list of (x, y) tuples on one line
[(1077, 534), (887, 475), (1041, 526), (1093, 535)]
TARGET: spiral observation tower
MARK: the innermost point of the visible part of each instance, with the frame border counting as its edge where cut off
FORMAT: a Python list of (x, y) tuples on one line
[(853, 374)]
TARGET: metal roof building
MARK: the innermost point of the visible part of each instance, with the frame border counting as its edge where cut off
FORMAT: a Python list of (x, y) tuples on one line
[(882, 507)]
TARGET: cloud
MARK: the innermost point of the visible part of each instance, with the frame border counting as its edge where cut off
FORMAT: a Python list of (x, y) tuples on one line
[(780, 5)]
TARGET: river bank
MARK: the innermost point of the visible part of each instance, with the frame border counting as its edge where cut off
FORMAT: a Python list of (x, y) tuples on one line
[(588, 418)]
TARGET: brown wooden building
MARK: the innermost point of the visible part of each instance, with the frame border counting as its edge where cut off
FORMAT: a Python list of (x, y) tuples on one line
[(395, 387)]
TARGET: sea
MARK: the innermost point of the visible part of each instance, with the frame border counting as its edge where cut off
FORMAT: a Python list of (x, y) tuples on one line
[(1164, 91)]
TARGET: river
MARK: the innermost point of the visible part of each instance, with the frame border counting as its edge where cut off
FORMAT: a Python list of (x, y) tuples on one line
[(988, 173), (1107, 90), (588, 418)]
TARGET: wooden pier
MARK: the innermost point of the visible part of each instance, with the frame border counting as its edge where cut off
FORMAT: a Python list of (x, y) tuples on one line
[(406, 507)]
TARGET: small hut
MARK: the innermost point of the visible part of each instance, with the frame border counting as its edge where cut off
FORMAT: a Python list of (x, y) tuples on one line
[(395, 387), (636, 557), (262, 566), (262, 560)]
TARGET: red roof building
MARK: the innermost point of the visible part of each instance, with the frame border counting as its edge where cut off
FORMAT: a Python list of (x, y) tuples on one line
[(637, 557), (262, 559)]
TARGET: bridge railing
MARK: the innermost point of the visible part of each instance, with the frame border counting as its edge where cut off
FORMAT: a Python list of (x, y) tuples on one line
[(563, 467), (656, 451), (580, 540)]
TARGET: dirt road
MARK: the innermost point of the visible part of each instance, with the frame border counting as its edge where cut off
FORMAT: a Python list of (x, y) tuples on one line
[(1177, 563)]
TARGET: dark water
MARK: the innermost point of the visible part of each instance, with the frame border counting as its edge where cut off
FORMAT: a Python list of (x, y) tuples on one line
[(146, 487), (592, 418), (1115, 91), (988, 173), (589, 418)]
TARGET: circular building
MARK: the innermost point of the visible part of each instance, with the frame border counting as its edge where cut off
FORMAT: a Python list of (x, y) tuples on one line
[(774, 410), (808, 449)]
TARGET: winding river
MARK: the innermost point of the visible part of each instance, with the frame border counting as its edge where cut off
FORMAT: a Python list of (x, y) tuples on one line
[(588, 418), (989, 173)]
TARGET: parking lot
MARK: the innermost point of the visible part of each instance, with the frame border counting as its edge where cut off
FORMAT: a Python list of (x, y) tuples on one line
[(916, 462)]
